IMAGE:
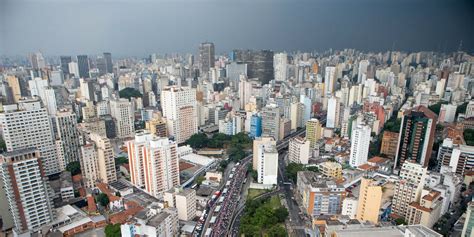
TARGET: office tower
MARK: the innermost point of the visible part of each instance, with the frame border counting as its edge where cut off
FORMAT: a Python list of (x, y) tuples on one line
[(362, 72), (179, 108), (246, 90), (360, 142), (57, 78), (313, 131), (121, 110), (370, 201), (234, 71), (65, 60), (108, 62), (320, 196), (389, 144), (37, 61), (89, 165), (14, 83), (468, 228), (329, 81), (184, 200), (271, 121), (417, 134), (257, 143), (267, 164), (306, 101), (67, 138), (83, 66), (299, 150), (460, 158), (331, 169), (259, 63), (206, 56), (27, 125), (23, 180), (408, 188), (255, 126), (87, 89), (153, 163), (280, 64), (427, 210), (101, 65), (73, 69), (333, 113), (40, 87), (105, 158), (297, 110)]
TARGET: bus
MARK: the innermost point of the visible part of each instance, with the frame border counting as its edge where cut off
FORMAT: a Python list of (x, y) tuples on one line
[(218, 208), (213, 220)]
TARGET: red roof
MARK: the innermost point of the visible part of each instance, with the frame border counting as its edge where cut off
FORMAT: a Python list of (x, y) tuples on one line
[(91, 207)]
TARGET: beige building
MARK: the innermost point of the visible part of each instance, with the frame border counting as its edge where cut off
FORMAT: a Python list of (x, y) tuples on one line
[(157, 126), (313, 131), (331, 169), (256, 144), (370, 200), (389, 144), (89, 165), (408, 188), (184, 200), (14, 84), (105, 158), (298, 151), (121, 110), (427, 211)]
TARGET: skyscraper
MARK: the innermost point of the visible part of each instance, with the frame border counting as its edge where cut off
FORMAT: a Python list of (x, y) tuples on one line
[(370, 200), (179, 108), (271, 121), (329, 81), (408, 188), (313, 131), (280, 64), (362, 72), (257, 143), (333, 113), (153, 163), (206, 56), (23, 180), (299, 150), (121, 110), (65, 60), (14, 83), (360, 142), (259, 63), (37, 61), (83, 65), (27, 125), (267, 163), (108, 62), (67, 138), (417, 134), (105, 158)]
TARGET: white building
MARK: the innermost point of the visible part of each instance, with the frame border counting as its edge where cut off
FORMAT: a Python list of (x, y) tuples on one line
[(73, 69), (299, 151), (67, 138), (362, 72), (89, 165), (329, 80), (349, 207), (408, 188), (447, 113), (27, 125), (154, 223), (154, 163), (105, 158), (121, 110), (267, 167), (333, 112), (184, 200), (179, 108), (26, 194), (280, 62), (360, 142)]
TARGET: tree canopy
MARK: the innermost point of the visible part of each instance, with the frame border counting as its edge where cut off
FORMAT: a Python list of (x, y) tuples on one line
[(198, 140), (102, 199), (112, 230), (264, 217), (129, 93), (469, 136), (437, 107), (74, 167)]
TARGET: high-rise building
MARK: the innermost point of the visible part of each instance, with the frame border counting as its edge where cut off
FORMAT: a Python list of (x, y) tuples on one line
[(23, 179), (206, 56), (65, 60), (370, 201), (67, 138), (271, 121), (153, 163), (417, 134), (83, 65), (360, 142), (121, 110), (299, 150), (108, 62), (313, 131), (333, 113), (37, 61), (362, 72), (40, 87), (408, 188), (329, 81), (73, 69), (280, 64), (157, 127), (179, 108), (427, 210), (258, 142), (331, 169), (460, 158), (468, 228), (320, 196), (184, 200), (27, 125), (259, 63), (89, 165), (14, 83), (297, 110), (255, 126), (105, 158), (56, 78), (389, 144), (267, 164)]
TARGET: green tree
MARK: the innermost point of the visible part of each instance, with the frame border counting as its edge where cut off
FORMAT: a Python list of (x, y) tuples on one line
[(400, 221), (3, 146), (74, 167), (461, 109), (198, 140), (393, 125), (281, 214), (121, 160), (199, 180), (118, 194), (437, 107), (102, 199), (277, 231), (129, 93), (292, 171), (469, 136), (112, 230)]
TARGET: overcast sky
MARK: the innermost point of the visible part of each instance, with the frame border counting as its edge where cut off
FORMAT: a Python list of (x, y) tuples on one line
[(141, 27)]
